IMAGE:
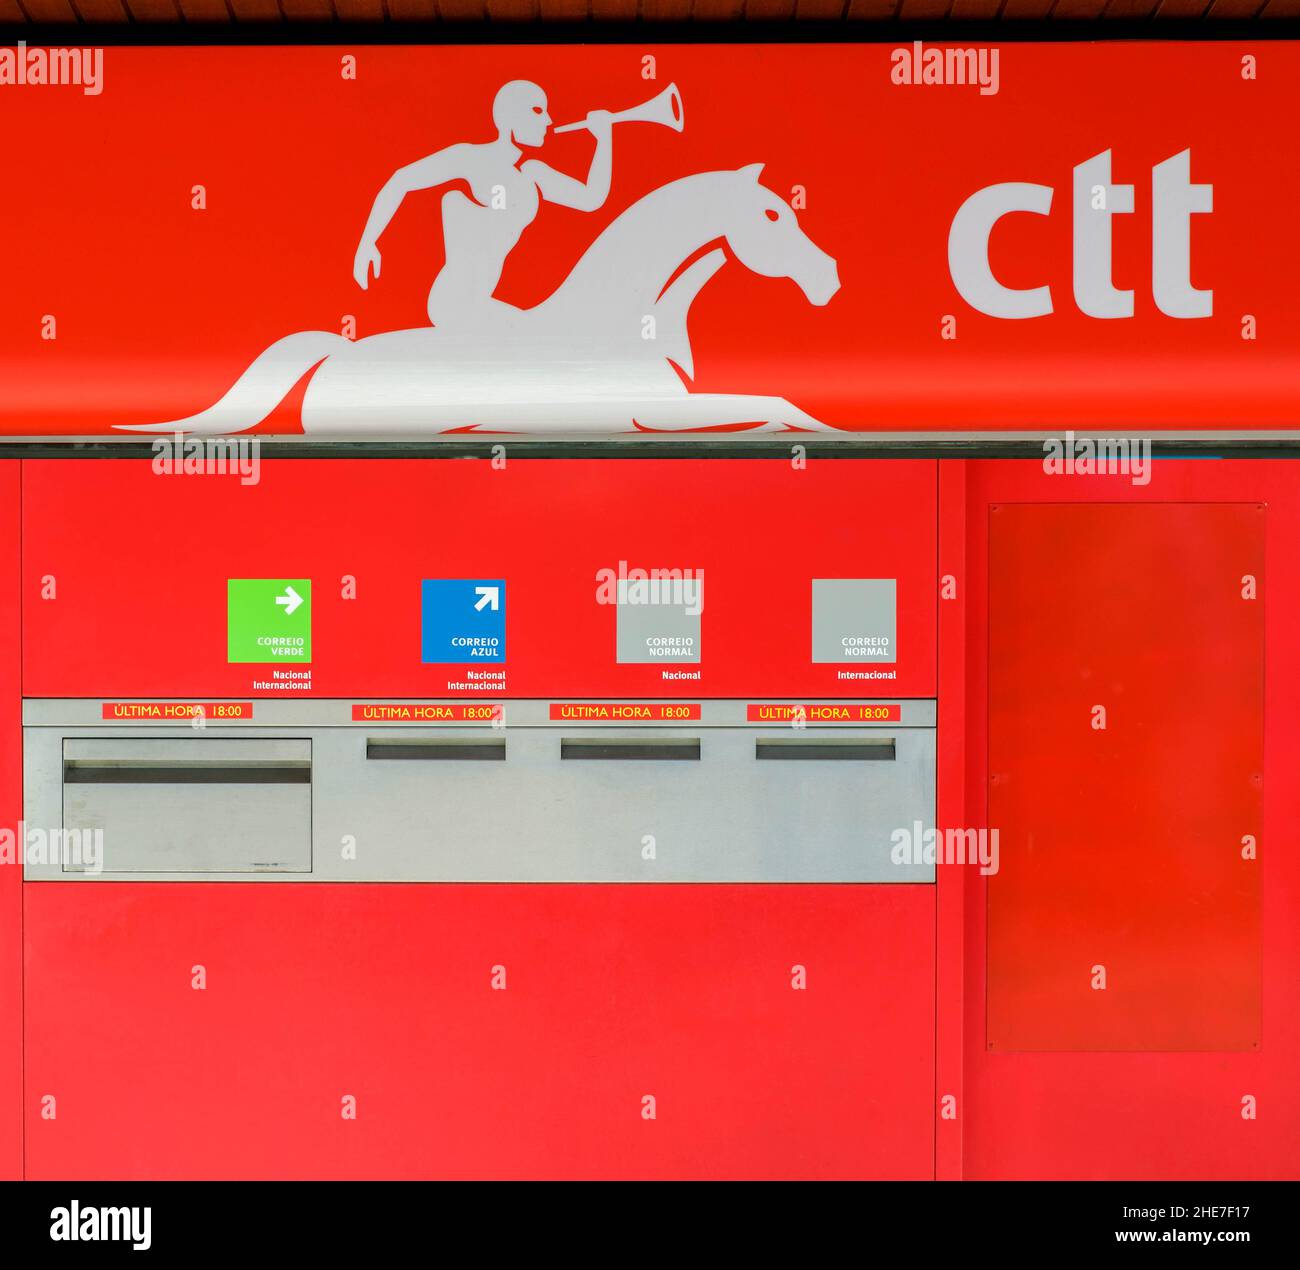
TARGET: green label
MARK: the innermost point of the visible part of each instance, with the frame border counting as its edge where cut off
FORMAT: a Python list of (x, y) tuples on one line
[(268, 620)]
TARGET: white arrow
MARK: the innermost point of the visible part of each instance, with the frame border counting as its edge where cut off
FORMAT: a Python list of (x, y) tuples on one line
[(491, 596), (290, 599)]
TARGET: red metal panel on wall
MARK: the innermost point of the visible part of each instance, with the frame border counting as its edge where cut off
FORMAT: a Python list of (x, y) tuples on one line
[(760, 530), (11, 891), (1125, 912), (683, 993), (384, 994), (1157, 1114)]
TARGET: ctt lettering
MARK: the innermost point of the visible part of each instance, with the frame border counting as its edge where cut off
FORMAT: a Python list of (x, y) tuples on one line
[(1174, 201)]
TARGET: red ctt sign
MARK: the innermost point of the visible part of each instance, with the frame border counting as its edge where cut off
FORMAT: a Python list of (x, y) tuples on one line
[(631, 240)]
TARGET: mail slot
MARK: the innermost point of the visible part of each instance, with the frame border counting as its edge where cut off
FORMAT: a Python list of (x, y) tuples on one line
[(186, 806), (630, 747), (437, 749), (819, 749)]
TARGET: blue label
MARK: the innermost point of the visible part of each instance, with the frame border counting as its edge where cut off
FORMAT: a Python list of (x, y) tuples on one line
[(462, 620)]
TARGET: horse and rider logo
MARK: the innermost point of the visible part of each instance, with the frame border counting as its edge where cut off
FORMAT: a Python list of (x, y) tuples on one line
[(607, 352)]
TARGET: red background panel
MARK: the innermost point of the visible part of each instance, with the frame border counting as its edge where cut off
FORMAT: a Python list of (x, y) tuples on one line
[(383, 992), (1121, 846), (311, 986), (141, 563), (160, 307), (1155, 1114)]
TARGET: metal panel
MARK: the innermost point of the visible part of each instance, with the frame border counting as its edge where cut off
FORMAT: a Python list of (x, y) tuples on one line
[(1137, 1115), (557, 803), (543, 818), (1126, 736), (179, 806)]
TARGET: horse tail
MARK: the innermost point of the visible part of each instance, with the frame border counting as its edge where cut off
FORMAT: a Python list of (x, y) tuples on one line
[(258, 390)]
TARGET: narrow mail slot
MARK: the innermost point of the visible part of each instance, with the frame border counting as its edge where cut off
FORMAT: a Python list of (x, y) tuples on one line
[(684, 747), (818, 747), (189, 805), (432, 750)]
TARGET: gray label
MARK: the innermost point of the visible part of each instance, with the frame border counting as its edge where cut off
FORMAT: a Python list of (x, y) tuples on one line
[(665, 634), (854, 620)]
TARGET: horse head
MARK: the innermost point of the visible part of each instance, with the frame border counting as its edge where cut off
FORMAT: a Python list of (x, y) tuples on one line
[(648, 261), (764, 235)]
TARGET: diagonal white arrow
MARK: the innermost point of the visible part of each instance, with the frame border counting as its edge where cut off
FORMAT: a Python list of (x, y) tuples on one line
[(290, 600), (491, 596)]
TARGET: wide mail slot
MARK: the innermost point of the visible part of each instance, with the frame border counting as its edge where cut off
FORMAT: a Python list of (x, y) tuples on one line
[(193, 805), (115, 771)]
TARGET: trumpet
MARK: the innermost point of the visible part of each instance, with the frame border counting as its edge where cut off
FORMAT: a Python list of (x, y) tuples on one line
[(665, 109)]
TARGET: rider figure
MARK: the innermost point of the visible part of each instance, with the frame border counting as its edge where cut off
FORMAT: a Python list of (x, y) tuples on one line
[(480, 228)]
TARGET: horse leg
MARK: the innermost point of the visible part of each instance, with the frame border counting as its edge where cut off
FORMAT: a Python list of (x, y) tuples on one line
[(701, 410)]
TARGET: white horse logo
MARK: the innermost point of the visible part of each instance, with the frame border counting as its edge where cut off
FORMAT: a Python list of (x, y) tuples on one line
[(608, 351)]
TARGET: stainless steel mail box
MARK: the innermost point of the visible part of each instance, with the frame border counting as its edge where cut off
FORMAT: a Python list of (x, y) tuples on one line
[(302, 792)]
